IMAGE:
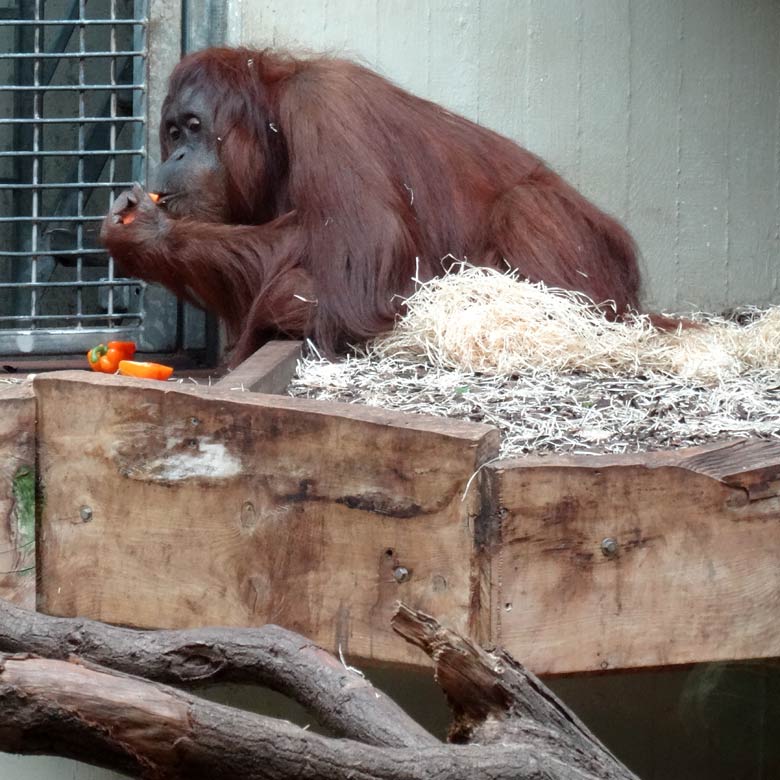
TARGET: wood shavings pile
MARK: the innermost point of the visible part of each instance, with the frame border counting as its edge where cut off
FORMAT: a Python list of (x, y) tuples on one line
[(483, 321), (546, 368)]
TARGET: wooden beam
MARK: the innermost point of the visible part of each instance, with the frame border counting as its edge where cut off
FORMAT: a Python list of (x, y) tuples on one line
[(17, 494), (693, 575), (750, 464), (269, 370), (175, 506)]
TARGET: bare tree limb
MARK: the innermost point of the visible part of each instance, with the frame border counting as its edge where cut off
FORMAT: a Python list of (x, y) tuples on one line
[(496, 700), (152, 731), (516, 727), (340, 699)]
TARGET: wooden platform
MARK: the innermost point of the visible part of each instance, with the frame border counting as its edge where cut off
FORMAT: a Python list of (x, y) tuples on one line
[(182, 505), (17, 493)]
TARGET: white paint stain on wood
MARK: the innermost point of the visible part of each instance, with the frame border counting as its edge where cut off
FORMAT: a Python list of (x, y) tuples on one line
[(207, 459)]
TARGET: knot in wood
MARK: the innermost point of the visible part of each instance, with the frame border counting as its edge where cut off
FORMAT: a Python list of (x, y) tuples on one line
[(196, 662)]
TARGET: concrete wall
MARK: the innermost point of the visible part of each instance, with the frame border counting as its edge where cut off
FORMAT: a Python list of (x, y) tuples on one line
[(665, 112)]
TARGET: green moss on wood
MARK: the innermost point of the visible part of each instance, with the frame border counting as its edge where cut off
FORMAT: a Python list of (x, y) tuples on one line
[(24, 504)]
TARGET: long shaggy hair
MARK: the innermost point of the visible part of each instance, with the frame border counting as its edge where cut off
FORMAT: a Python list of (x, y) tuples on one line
[(340, 188)]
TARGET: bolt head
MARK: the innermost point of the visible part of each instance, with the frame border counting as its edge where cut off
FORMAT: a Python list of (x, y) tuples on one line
[(609, 547), (401, 574), (85, 513)]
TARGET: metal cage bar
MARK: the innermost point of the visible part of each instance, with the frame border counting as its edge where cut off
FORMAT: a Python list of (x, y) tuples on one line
[(73, 109)]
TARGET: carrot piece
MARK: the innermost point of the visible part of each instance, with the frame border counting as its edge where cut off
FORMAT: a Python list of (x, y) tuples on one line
[(130, 215), (144, 370)]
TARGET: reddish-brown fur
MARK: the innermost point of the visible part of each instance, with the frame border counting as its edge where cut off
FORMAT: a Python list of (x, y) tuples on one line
[(339, 188)]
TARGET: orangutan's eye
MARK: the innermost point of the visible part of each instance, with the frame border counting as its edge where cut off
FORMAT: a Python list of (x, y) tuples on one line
[(174, 133), (193, 124)]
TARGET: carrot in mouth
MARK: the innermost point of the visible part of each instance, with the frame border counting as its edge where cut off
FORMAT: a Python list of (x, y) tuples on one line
[(130, 216)]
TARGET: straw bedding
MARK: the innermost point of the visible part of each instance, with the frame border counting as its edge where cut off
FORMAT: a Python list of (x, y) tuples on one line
[(546, 368)]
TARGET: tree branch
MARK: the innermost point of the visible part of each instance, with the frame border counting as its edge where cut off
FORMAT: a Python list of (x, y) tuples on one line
[(153, 731), (340, 699), (496, 700), (75, 708)]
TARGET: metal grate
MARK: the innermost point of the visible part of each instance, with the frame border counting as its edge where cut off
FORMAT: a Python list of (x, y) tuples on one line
[(73, 104)]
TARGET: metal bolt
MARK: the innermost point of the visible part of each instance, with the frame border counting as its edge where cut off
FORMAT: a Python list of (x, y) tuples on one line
[(609, 547), (401, 573), (85, 513)]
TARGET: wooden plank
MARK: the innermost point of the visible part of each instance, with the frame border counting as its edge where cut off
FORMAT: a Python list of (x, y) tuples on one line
[(751, 464), (269, 370), (695, 576), (170, 505), (17, 494)]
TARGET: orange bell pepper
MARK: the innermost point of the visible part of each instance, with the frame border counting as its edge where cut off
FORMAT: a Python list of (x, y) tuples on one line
[(106, 358), (144, 370)]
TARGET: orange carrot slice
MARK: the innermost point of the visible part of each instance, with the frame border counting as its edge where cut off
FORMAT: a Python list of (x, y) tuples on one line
[(144, 370)]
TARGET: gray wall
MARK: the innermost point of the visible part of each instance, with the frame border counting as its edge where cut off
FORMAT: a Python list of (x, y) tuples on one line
[(665, 112)]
